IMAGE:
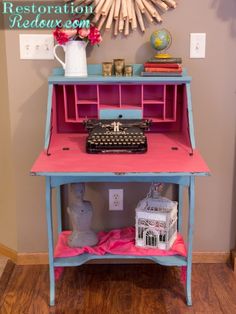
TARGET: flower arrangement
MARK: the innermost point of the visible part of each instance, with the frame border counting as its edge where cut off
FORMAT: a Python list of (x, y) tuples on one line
[(91, 35)]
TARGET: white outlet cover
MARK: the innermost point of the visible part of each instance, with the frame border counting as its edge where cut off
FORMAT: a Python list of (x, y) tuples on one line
[(36, 46), (116, 199)]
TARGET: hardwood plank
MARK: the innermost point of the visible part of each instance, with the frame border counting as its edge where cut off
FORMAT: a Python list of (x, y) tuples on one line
[(72, 288), (223, 280), (20, 287), (3, 262), (40, 297), (8, 297), (174, 293), (118, 289), (203, 294), (118, 278), (145, 286), (4, 280)]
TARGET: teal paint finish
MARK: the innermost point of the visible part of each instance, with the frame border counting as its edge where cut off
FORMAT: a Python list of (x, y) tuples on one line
[(59, 213), (115, 177), (116, 113), (48, 119), (190, 240), (174, 260), (57, 181), (50, 239), (96, 69), (95, 76), (190, 116), (180, 206)]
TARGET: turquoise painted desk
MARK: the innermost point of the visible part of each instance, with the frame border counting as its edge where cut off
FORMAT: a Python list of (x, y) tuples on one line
[(171, 157)]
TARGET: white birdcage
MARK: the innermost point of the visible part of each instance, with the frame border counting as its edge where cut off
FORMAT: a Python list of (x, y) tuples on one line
[(156, 221)]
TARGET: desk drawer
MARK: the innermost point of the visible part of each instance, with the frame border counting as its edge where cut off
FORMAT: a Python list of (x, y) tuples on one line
[(120, 113)]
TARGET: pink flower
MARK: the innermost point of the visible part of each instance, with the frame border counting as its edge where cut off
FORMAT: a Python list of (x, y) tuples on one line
[(91, 34), (94, 36), (83, 32), (70, 32), (60, 36)]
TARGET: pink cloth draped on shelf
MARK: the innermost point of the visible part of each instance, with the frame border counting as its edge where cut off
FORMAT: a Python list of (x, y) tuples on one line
[(118, 241)]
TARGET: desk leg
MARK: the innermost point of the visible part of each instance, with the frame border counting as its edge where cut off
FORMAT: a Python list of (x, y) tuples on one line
[(190, 240), (180, 207), (59, 223), (50, 240)]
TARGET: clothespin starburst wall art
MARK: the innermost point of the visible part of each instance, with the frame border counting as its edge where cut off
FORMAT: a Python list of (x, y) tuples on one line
[(124, 16)]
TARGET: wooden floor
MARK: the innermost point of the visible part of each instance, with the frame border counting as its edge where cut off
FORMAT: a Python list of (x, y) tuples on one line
[(114, 289), (3, 261)]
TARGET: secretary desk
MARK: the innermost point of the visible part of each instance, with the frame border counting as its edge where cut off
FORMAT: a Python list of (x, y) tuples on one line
[(171, 157)]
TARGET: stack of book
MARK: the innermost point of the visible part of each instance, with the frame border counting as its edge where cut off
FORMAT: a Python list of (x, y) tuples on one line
[(163, 67)]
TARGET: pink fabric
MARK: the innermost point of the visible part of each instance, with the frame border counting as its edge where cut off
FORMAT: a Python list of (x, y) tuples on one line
[(183, 274), (119, 241)]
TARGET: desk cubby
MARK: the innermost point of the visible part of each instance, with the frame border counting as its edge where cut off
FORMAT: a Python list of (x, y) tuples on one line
[(109, 96), (162, 103), (171, 156), (153, 93), (86, 93), (131, 96)]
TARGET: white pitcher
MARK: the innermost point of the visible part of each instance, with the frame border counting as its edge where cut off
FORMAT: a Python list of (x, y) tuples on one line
[(75, 58)]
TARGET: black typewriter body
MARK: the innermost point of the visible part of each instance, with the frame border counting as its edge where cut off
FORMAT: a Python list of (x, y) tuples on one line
[(116, 136)]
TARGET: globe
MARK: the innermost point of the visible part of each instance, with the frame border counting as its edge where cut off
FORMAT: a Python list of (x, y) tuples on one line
[(161, 40)]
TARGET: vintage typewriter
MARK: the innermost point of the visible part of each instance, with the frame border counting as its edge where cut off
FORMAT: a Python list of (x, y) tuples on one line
[(116, 136)]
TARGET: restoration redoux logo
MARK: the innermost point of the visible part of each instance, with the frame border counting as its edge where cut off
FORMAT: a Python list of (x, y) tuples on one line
[(44, 15)]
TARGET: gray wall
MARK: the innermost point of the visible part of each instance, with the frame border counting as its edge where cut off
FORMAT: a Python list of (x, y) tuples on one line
[(213, 92)]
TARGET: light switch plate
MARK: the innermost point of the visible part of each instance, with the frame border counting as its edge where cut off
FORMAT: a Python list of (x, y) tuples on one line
[(36, 46), (197, 45)]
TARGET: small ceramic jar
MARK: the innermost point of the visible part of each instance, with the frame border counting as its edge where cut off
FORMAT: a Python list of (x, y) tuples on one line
[(129, 70), (119, 66), (107, 68)]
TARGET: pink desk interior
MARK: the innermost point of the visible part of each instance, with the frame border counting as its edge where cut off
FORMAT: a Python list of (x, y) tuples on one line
[(162, 157)]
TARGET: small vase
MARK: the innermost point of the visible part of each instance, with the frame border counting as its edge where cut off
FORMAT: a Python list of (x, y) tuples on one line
[(75, 58)]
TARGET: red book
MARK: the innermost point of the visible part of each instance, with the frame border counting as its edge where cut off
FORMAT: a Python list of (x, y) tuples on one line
[(165, 70), (162, 65)]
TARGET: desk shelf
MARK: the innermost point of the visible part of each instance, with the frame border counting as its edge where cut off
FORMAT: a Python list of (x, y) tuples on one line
[(174, 260)]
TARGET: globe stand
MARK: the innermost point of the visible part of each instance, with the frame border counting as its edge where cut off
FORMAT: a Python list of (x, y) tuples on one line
[(161, 40), (162, 56)]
